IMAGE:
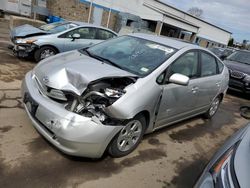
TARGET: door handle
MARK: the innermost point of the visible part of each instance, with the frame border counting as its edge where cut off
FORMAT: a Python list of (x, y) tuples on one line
[(91, 43), (218, 84), (195, 89)]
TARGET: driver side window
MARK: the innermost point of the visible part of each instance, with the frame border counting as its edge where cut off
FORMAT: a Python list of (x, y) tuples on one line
[(186, 65)]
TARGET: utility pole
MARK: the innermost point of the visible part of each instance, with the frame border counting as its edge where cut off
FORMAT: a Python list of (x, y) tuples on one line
[(90, 10), (110, 8)]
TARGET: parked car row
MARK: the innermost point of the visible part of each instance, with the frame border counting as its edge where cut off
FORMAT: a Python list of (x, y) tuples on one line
[(222, 53), (54, 38)]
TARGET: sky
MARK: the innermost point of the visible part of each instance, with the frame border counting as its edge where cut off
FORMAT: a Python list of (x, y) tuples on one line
[(231, 15)]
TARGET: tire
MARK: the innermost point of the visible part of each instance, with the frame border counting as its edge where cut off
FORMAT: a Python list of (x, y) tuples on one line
[(213, 108), (128, 138), (44, 52)]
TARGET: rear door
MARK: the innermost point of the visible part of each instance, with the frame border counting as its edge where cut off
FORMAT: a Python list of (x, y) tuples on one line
[(210, 80)]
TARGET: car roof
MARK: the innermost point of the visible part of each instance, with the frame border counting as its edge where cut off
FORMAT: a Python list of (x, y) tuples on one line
[(91, 25), (175, 43)]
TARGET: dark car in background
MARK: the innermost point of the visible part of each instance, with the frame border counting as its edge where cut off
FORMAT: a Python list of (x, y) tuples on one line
[(222, 53), (238, 64), (229, 168)]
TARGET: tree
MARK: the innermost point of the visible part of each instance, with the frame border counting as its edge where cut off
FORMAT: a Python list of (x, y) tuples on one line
[(195, 11), (231, 42)]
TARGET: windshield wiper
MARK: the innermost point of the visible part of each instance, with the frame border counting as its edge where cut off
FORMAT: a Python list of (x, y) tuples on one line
[(101, 58)]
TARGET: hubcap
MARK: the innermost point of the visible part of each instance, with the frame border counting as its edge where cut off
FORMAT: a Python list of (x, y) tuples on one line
[(214, 106), (129, 135), (47, 53)]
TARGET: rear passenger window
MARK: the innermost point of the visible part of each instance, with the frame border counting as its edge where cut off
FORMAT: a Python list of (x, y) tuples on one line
[(208, 65), (186, 65), (220, 66), (104, 35)]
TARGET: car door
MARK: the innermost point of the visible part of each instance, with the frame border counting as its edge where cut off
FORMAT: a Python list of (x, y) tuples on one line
[(177, 101), (87, 38), (209, 81)]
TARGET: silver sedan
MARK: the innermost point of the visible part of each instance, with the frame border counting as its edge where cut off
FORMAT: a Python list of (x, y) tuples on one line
[(51, 39), (108, 96)]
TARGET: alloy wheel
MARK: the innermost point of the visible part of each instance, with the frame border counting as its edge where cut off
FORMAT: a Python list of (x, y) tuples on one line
[(129, 135)]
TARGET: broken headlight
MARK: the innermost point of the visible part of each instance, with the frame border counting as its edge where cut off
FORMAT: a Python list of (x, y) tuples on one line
[(223, 171), (114, 93), (25, 41)]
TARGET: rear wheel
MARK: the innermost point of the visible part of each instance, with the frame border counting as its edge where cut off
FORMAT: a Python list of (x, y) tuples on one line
[(128, 138), (213, 108), (44, 52)]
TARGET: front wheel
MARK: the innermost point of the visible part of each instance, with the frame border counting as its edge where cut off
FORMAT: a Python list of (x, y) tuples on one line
[(213, 108), (128, 138), (44, 52)]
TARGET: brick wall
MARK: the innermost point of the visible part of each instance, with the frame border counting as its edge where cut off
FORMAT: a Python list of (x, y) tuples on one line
[(112, 19), (69, 9), (77, 11)]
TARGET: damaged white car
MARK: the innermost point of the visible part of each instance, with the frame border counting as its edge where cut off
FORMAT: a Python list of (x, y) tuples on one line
[(106, 97)]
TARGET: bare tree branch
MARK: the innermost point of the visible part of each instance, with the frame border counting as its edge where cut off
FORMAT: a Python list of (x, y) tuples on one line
[(195, 11)]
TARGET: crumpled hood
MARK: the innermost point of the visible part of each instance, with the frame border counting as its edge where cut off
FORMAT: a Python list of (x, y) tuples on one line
[(237, 66), (73, 71), (25, 30)]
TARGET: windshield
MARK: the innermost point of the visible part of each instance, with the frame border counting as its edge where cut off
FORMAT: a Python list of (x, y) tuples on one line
[(135, 55), (240, 56), (57, 27)]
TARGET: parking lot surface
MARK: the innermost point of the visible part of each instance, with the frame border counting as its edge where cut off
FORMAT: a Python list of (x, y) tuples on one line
[(171, 157)]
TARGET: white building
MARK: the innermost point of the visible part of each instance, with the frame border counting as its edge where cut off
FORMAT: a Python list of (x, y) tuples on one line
[(170, 21)]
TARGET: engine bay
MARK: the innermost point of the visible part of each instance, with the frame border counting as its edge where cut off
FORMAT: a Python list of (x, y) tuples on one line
[(98, 95)]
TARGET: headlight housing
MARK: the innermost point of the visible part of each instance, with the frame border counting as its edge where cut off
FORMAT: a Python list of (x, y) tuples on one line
[(247, 78), (25, 41), (223, 171)]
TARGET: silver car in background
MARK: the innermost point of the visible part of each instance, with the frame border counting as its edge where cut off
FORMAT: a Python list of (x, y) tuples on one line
[(54, 38), (108, 96), (229, 168)]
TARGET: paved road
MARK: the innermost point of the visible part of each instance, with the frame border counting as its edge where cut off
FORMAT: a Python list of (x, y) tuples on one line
[(171, 157)]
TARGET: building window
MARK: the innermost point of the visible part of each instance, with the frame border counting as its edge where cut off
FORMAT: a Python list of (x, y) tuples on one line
[(182, 36), (129, 22)]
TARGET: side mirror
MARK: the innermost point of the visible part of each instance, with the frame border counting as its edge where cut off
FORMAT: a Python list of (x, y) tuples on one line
[(179, 79), (75, 36)]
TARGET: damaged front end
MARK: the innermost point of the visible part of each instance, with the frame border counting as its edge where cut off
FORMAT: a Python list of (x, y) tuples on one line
[(95, 99), (24, 48)]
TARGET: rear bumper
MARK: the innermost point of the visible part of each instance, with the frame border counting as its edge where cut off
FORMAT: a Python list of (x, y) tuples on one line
[(69, 132)]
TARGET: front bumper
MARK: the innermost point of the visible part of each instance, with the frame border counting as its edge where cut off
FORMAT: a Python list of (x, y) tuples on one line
[(24, 50), (69, 132), (239, 85)]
